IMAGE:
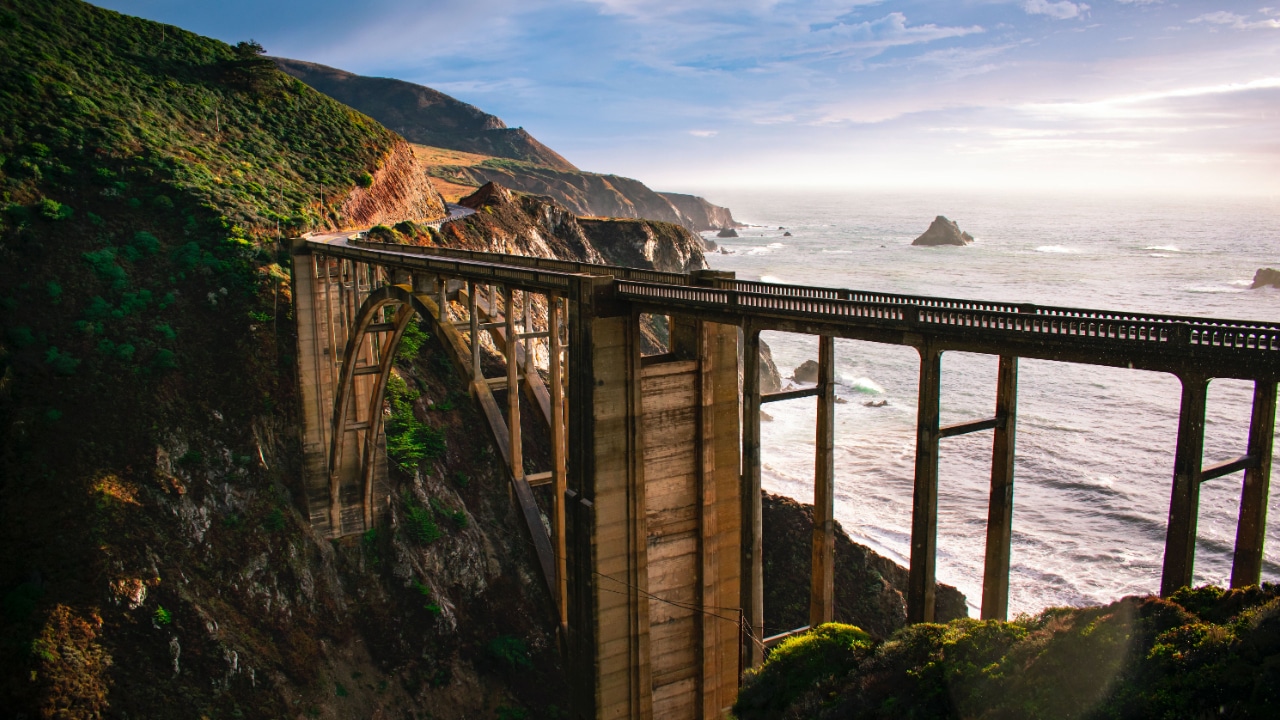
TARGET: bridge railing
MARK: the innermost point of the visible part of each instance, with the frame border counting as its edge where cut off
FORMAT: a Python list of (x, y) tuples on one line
[(828, 304), (568, 266)]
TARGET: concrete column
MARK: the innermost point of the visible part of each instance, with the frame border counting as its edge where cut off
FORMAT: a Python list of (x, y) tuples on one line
[(1184, 505), (921, 583), (995, 581), (752, 588), (822, 567), (559, 450), (513, 390), (1252, 531)]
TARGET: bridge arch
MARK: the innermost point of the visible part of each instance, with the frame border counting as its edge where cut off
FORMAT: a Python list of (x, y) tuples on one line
[(409, 305)]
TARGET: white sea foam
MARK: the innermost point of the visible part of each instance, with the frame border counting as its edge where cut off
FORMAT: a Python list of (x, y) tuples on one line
[(1215, 289), (863, 385), (760, 251), (1166, 248), (1159, 255), (1061, 249), (771, 279), (776, 245)]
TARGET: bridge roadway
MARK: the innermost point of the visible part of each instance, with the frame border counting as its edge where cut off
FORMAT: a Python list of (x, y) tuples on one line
[(601, 306)]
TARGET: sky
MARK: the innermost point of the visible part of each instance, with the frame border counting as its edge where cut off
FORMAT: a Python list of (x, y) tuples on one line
[(1113, 96)]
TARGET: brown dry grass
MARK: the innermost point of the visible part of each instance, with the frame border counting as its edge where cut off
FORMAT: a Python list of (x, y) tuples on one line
[(427, 156)]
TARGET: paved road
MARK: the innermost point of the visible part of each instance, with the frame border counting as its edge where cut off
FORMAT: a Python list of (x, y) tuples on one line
[(456, 212)]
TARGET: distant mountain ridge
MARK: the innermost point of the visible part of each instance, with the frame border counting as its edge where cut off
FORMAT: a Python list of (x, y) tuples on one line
[(510, 157), (425, 116)]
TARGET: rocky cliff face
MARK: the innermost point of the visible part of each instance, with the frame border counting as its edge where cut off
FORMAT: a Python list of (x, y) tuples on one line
[(588, 194), (702, 214), (399, 191), (423, 115), (645, 243), (869, 587)]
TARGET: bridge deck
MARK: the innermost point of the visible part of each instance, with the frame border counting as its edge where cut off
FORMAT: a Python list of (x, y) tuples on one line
[(1183, 345)]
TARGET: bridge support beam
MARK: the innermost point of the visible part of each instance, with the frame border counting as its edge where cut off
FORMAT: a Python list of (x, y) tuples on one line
[(921, 580), (1252, 530), (1184, 505), (752, 588), (822, 560), (995, 580)]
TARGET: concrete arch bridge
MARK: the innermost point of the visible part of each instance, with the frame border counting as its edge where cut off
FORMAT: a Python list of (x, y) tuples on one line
[(654, 549)]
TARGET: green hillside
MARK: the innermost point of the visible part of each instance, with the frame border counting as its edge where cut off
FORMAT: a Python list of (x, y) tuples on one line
[(145, 340), (1201, 653)]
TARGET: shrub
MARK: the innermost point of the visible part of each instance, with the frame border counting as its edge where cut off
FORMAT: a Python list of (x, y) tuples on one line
[(275, 520), (382, 233), (364, 180), (62, 363), (53, 210), (409, 440), (799, 664), (510, 651), (421, 524), (162, 616), (411, 342)]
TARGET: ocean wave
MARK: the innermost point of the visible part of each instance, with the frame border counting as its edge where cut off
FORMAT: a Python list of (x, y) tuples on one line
[(760, 251), (1242, 283), (863, 385), (1159, 255), (1212, 289), (1165, 248), (776, 245), (1061, 249), (771, 279)]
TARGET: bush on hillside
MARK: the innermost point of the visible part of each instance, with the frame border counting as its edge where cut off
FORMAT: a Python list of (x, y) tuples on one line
[(1200, 653)]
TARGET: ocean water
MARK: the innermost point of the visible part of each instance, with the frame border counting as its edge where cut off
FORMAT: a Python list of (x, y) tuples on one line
[(1094, 445)]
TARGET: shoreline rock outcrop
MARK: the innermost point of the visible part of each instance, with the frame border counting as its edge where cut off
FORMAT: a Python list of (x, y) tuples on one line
[(807, 372), (870, 588), (943, 232), (727, 233), (1266, 277)]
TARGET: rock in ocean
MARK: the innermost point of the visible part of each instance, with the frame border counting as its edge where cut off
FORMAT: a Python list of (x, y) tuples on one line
[(1266, 277), (943, 232)]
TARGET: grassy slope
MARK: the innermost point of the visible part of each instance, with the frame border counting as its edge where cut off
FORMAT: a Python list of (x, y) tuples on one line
[(143, 305), (1201, 653), (424, 115)]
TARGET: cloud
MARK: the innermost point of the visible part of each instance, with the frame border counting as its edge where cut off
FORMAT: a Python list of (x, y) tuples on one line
[(1236, 22), (1063, 10), (891, 30), (704, 133)]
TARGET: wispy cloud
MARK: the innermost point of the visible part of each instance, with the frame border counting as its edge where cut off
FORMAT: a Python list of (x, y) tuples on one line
[(1235, 21), (704, 133), (1062, 10)]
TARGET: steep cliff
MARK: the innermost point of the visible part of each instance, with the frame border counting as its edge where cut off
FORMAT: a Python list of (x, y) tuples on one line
[(645, 243), (702, 214), (398, 190), (423, 115)]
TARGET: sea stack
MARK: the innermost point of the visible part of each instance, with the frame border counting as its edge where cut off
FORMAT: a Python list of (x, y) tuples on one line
[(1266, 277), (943, 232), (727, 233)]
